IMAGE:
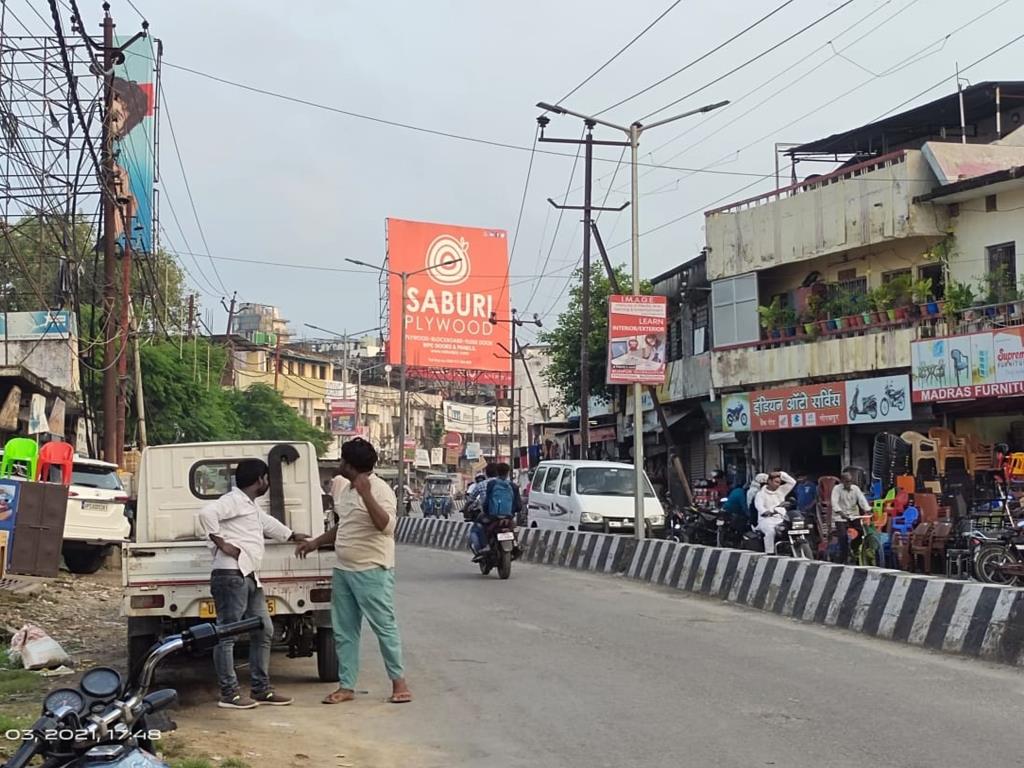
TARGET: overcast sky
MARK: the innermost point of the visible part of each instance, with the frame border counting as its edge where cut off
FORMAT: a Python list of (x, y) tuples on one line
[(282, 182)]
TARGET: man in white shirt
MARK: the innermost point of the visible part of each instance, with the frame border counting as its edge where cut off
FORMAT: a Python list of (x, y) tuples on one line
[(237, 528), (768, 501), (363, 584), (848, 504)]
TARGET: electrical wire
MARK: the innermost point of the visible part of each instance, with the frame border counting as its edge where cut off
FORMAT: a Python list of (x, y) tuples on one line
[(700, 58), (622, 50), (749, 61)]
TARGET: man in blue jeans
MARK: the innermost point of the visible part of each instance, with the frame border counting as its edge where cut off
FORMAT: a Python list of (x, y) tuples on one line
[(237, 528)]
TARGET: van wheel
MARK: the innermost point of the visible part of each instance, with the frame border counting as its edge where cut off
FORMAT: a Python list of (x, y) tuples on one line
[(572, 527), (533, 524), (87, 559), (326, 655)]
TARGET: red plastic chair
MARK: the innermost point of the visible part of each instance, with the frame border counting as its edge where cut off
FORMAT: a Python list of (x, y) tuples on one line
[(56, 454)]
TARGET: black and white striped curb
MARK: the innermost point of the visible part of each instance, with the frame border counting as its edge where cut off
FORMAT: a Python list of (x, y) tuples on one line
[(980, 620)]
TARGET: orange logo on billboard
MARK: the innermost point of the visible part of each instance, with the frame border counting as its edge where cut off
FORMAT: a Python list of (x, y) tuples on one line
[(448, 260)]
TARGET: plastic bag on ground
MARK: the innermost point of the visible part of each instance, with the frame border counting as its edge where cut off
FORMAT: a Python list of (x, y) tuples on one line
[(37, 649)]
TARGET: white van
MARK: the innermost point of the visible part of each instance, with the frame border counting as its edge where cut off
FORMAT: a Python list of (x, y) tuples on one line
[(589, 496)]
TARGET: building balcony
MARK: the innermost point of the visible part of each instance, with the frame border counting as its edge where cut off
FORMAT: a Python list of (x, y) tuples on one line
[(859, 207), (687, 378)]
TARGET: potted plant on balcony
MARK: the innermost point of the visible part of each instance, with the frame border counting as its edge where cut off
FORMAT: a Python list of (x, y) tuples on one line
[(959, 297), (901, 296), (815, 317), (922, 293), (773, 316), (879, 299), (999, 289)]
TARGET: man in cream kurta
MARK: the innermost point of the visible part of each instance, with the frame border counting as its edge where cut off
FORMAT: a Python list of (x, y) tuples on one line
[(363, 585)]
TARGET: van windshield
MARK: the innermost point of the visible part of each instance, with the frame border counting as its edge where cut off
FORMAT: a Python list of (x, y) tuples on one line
[(607, 481)]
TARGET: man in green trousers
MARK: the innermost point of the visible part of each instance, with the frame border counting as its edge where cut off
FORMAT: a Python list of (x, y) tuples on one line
[(363, 584)]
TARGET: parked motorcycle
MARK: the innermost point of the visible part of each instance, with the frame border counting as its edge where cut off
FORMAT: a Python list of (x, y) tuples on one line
[(105, 721), (692, 525), (502, 547), (869, 407), (792, 537), (736, 414)]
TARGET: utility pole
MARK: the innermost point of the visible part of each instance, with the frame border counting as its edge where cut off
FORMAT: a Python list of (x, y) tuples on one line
[(228, 379), (140, 401), (588, 209), (633, 132), (125, 324), (109, 247), (516, 322)]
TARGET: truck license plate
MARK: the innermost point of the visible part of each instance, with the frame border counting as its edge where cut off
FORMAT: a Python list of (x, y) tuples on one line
[(208, 609)]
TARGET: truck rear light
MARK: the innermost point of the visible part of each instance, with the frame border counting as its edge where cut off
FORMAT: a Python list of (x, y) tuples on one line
[(147, 601), (321, 595)]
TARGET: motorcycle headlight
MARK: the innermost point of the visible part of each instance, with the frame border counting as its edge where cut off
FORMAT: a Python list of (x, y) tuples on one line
[(590, 517)]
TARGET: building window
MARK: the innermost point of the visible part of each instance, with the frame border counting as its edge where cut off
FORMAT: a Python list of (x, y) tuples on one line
[(734, 310), (991, 204), (700, 341), (323, 372), (1002, 271), (888, 277), (937, 275), (845, 275)]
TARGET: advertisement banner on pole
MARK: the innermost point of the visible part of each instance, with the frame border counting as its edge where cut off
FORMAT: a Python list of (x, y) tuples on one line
[(466, 419), (133, 133), (409, 452), (636, 339), (343, 417), (457, 279), (861, 401), (437, 457), (987, 364), (473, 452), (422, 458)]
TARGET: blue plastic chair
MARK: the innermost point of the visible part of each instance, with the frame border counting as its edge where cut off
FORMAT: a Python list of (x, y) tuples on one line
[(905, 523)]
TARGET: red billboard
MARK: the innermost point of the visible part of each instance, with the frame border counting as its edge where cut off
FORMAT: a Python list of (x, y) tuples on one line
[(457, 278), (636, 339)]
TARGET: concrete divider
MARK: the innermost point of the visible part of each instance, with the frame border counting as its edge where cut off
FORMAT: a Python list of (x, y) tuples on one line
[(964, 617)]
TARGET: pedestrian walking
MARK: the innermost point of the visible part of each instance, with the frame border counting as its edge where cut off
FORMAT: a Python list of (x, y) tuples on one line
[(363, 584), (237, 528)]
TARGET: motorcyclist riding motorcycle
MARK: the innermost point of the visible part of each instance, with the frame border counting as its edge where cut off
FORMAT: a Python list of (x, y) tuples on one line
[(500, 498), (769, 504)]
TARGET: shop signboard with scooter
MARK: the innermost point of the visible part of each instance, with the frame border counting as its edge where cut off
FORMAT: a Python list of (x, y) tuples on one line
[(836, 404)]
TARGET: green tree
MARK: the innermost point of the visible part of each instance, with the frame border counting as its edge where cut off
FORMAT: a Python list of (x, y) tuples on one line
[(181, 405), (263, 415), (564, 338)]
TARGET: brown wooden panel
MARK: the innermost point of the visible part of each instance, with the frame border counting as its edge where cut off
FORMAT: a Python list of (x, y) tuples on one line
[(39, 529)]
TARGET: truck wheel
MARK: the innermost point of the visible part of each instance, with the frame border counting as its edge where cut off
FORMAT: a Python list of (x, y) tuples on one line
[(138, 649), (87, 559), (326, 656)]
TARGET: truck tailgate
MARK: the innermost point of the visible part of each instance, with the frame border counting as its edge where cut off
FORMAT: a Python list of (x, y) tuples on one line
[(190, 562)]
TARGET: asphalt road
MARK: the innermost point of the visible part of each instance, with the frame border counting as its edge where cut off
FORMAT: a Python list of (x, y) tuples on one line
[(555, 668)]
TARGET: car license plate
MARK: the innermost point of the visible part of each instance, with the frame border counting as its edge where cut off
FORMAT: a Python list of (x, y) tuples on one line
[(94, 506), (506, 536), (208, 609), (614, 524)]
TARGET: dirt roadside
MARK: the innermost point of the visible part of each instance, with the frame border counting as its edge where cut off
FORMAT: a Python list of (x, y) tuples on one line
[(83, 614)]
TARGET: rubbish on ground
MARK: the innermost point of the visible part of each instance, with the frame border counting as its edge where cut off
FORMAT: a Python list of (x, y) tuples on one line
[(36, 649), (58, 672)]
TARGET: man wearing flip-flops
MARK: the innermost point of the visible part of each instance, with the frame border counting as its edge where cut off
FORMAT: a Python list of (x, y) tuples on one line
[(364, 576)]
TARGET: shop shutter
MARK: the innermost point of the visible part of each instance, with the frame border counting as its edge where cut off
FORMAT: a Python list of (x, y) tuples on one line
[(695, 460)]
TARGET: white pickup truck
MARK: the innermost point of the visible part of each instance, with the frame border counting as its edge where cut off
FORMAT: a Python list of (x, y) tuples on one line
[(166, 570)]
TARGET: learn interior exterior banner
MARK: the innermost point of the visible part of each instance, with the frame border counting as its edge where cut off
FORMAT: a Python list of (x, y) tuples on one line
[(987, 364), (457, 279), (343, 417), (133, 131), (835, 404), (636, 339)]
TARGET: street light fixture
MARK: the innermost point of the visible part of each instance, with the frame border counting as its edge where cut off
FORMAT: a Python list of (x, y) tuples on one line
[(633, 131), (404, 277), (516, 322)]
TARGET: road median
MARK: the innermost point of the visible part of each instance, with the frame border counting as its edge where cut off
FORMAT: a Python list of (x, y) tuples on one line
[(962, 617)]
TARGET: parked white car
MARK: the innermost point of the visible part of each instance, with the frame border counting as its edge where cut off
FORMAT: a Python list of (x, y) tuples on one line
[(96, 519), (589, 496)]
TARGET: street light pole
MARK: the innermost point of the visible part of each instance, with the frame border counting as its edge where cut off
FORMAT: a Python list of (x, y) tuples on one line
[(404, 277), (633, 132)]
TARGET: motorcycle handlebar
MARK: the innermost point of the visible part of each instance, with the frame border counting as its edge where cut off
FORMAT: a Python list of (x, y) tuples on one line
[(203, 637), (25, 753)]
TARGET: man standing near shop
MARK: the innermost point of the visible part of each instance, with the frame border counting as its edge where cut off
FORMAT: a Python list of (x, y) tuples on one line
[(363, 584), (848, 504), (237, 528)]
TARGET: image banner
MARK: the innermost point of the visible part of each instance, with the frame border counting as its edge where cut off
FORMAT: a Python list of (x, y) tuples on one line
[(636, 339)]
